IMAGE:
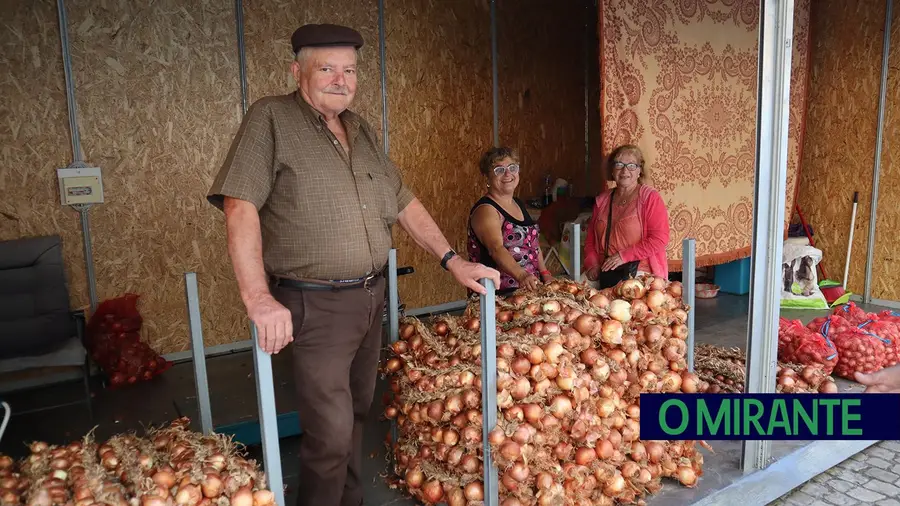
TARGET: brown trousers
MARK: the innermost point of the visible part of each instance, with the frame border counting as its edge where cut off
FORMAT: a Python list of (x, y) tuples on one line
[(337, 341)]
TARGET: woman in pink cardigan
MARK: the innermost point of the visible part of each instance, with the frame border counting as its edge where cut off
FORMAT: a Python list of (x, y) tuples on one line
[(636, 242)]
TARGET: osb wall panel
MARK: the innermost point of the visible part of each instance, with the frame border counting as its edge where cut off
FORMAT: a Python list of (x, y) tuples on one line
[(541, 84), (838, 153), (268, 26), (34, 135), (439, 106), (886, 260), (158, 98)]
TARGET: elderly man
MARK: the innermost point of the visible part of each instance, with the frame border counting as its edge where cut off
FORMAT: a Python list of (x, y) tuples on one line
[(309, 201)]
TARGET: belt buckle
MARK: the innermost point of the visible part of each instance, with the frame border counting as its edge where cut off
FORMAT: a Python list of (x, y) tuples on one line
[(368, 280)]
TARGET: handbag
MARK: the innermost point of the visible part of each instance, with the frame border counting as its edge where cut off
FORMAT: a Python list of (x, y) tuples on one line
[(606, 279)]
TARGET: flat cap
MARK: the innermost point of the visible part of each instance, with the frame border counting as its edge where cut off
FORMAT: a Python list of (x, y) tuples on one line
[(325, 35)]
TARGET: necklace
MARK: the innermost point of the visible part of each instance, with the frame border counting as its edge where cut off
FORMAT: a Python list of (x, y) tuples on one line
[(622, 202)]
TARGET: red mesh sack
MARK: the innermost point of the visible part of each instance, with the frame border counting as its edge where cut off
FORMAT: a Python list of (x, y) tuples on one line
[(114, 343), (889, 332), (799, 345), (852, 313), (857, 350)]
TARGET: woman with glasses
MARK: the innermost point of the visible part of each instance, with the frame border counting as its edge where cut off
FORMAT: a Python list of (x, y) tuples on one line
[(629, 228), (501, 233)]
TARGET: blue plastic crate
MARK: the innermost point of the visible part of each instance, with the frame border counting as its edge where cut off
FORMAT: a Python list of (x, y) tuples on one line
[(734, 277)]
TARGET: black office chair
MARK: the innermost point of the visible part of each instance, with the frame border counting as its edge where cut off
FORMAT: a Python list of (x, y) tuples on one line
[(38, 328)]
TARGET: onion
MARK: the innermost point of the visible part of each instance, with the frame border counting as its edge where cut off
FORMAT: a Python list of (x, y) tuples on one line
[(514, 414), (551, 306), (638, 451), (469, 463), (521, 389), (263, 498), (615, 486), (510, 450), (552, 351), (496, 436), (632, 289), (150, 500), (533, 413), (620, 310), (589, 357), (828, 387), (611, 331), (474, 491), (414, 478), (656, 301), (190, 494), (687, 476), (587, 325), (561, 406), (212, 486), (690, 383), (584, 456), (600, 371), (536, 355), (432, 491), (604, 449)]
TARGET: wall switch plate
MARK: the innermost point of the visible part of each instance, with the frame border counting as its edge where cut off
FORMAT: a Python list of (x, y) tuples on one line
[(80, 186)]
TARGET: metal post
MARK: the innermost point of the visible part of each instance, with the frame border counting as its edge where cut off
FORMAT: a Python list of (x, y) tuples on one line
[(198, 351), (70, 84), (242, 58), (576, 251), (689, 292), (88, 252), (381, 53), (393, 317), (495, 73), (879, 138), (489, 390), (773, 102), (268, 417), (78, 159)]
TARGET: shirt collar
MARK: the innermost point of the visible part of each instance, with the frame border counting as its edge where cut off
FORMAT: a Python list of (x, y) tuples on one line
[(349, 118)]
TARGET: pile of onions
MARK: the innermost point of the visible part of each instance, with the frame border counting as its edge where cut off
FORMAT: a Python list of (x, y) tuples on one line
[(571, 365), (172, 466), (723, 371)]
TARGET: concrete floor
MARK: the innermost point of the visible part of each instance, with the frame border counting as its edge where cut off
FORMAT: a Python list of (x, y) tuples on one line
[(721, 321)]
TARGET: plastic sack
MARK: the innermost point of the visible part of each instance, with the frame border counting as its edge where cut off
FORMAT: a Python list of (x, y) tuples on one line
[(798, 344), (114, 342), (800, 285)]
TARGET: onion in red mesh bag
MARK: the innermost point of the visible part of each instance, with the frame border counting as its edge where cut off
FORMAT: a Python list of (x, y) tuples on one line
[(889, 332), (858, 351), (800, 345)]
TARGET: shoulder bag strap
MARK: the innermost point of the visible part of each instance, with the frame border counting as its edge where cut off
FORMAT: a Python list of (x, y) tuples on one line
[(609, 224)]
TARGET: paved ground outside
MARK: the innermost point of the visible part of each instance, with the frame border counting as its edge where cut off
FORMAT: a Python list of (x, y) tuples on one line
[(869, 477)]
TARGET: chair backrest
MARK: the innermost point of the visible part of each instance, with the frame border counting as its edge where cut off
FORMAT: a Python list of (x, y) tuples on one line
[(35, 315)]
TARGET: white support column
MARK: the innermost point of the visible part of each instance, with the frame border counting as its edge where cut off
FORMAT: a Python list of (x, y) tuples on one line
[(576, 251), (393, 317), (198, 351), (489, 390), (268, 417), (689, 292), (775, 47)]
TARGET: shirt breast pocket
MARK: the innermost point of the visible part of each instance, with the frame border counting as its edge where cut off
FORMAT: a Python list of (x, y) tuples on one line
[(383, 196)]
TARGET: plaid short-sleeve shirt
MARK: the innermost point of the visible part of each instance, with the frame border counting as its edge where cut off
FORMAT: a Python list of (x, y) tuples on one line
[(323, 214)]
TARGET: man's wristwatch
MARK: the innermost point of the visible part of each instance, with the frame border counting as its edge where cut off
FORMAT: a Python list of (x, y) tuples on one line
[(450, 254)]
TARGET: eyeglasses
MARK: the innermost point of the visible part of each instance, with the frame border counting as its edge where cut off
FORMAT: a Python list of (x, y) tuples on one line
[(512, 168), (630, 166)]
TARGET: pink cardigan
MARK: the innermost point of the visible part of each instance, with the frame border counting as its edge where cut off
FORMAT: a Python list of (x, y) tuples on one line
[(654, 238)]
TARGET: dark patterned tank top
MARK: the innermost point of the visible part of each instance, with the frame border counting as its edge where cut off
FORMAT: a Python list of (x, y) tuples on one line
[(520, 238)]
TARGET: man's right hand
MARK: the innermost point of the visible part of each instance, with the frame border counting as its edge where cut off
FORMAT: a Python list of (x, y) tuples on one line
[(592, 273), (274, 326), (883, 381)]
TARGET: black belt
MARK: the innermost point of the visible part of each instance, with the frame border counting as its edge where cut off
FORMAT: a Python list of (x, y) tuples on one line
[(327, 284)]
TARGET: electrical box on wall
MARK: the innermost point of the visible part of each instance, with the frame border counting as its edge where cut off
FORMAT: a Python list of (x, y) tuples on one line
[(80, 186)]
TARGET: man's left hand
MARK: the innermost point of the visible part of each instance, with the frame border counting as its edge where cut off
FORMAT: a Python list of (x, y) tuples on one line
[(612, 262), (470, 274)]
